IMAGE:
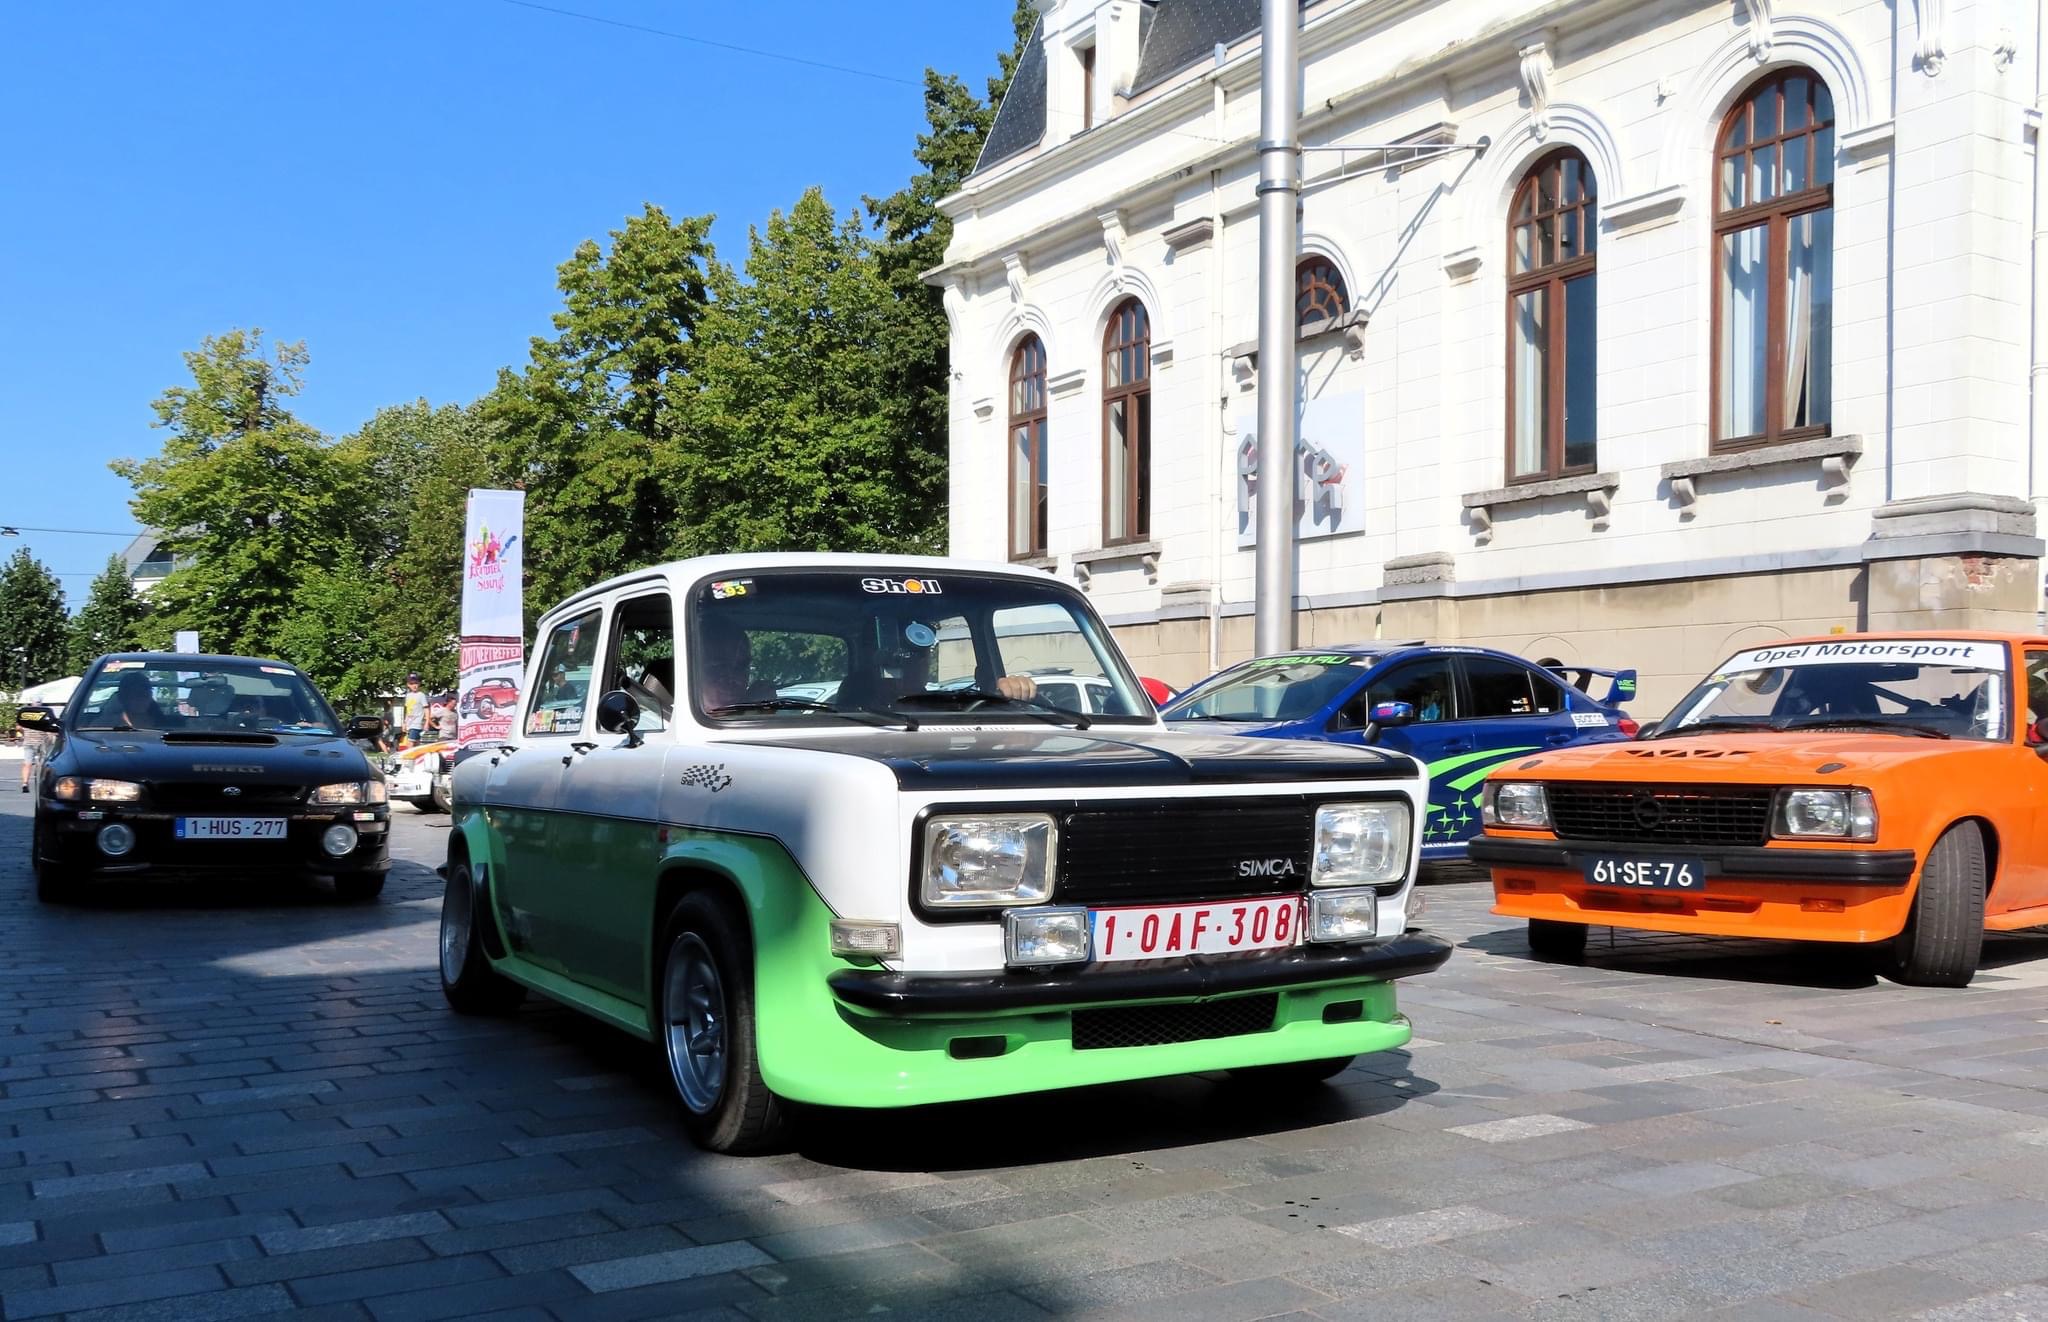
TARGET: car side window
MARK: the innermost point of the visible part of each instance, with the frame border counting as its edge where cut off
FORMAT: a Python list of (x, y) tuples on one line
[(1501, 688), (1424, 684), (564, 683), (2037, 697), (643, 658)]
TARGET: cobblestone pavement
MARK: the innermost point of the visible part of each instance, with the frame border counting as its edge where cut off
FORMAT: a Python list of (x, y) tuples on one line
[(235, 1104)]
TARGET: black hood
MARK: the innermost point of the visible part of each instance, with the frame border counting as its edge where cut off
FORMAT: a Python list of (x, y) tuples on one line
[(231, 759), (950, 758)]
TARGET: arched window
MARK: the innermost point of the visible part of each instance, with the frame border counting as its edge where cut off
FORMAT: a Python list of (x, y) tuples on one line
[(1027, 449), (1127, 425), (1774, 239), (1318, 294), (1553, 368)]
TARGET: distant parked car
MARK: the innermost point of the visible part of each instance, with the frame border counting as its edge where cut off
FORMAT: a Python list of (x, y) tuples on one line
[(1460, 711)]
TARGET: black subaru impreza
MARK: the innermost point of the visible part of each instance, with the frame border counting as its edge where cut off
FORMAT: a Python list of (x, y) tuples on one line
[(180, 766)]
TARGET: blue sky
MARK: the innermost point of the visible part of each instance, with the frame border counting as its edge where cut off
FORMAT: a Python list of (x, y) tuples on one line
[(393, 183)]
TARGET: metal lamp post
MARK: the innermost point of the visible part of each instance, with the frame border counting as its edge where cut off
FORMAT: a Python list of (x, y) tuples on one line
[(1279, 204)]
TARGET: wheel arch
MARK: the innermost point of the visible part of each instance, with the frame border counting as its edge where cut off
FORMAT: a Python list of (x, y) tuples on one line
[(1989, 831), (678, 879)]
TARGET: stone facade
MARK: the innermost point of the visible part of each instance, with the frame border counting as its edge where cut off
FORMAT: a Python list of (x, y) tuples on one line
[(1915, 509)]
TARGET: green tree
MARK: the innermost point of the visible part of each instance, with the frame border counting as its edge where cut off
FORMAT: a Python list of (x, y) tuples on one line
[(584, 428), (911, 238), (336, 636), (250, 499), (110, 620), (32, 622), (419, 462), (794, 445)]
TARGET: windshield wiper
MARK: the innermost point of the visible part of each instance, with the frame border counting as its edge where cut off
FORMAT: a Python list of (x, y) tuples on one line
[(1717, 723), (1868, 723), (964, 697), (757, 705)]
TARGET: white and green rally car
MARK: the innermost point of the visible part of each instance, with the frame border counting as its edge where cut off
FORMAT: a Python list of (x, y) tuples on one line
[(937, 883)]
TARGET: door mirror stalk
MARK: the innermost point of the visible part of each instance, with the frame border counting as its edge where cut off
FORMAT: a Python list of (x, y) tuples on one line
[(618, 713)]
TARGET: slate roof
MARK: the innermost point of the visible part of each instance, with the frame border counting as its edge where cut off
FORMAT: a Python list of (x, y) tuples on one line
[(1173, 35)]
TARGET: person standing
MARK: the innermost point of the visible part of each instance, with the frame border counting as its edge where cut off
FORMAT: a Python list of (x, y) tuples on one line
[(447, 724), (415, 710)]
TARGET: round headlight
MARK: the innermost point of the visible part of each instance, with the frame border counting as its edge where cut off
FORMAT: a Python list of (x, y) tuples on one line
[(116, 839), (338, 840)]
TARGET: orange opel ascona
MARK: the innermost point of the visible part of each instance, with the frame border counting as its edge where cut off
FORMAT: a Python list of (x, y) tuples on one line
[(1887, 790)]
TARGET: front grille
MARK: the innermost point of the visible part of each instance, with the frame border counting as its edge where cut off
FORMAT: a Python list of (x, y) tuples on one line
[(209, 799), (1173, 850), (1152, 1025), (1662, 814)]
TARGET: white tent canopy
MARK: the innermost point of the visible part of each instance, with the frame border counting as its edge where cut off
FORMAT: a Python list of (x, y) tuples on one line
[(55, 691)]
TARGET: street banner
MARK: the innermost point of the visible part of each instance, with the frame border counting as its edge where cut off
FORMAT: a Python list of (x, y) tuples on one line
[(1328, 469), (493, 617)]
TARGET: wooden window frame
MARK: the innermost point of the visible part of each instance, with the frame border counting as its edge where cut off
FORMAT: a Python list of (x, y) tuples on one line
[(1027, 368), (1776, 215), (1318, 280), (1549, 275), (1137, 392)]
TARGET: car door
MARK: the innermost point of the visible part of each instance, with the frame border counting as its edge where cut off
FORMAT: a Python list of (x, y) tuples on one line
[(602, 904), (522, 792), (1509, 708), (1436, 737), (2023, 875)]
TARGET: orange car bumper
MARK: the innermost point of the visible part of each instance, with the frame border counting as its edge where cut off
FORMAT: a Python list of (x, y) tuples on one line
[(1798, 894)]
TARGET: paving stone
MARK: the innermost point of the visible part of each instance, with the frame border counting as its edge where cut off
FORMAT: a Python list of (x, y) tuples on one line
[(341, 1233), (678, 1264), (1519, 1127), (1429, 1227)]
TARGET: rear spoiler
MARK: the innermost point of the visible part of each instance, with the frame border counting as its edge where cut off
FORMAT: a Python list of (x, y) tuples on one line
[(1621, 689)]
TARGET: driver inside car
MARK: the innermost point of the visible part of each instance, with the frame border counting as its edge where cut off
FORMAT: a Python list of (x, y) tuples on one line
[(908, 667)]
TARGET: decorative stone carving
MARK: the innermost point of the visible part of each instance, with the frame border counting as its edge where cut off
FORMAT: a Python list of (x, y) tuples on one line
[(1930, 53), (1061, 384), (1145, 553), (1534, 70), (1762, 19), (1598, 489), (1835, 454), (1112, 222), (1190, 235), (1013, 275), (984, 408)]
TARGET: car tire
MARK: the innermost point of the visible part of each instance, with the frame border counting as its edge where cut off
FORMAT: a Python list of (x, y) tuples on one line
[(1552, 940), (424, 805), (1943, 938), (704, 1025), (54, 883), (1295, 1074), (468, 981), (359, 888)]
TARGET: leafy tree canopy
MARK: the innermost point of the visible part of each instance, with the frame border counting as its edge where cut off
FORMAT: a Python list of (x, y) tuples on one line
[(33, 633), (110, 620)]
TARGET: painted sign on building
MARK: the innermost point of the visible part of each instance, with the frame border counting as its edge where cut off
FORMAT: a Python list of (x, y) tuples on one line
[(1329, 469)]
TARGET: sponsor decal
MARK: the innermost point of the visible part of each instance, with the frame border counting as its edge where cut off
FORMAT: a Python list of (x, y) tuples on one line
[(896, 587), (707, 777), (727, 589), (228, 768), (1588, 720), (274, 670), (1306, 659), (1956, 653)]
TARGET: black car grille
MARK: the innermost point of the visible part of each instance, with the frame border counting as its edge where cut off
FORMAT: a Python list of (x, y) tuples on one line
[(1167, 851), (250, 800), (1662, 814), (1152, 1025)]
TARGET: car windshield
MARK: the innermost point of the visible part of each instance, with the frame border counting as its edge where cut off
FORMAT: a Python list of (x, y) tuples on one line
[(1941, 688), (202, 694), (809, 645), (1272, 688)]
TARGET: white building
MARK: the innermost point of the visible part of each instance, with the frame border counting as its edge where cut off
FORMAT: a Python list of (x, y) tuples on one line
[(1725, 335), (149, 562)]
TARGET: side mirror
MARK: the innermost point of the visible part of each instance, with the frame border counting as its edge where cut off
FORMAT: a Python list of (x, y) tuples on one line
[(365, 727), (36, 718), (617, 713), (1390, 714)]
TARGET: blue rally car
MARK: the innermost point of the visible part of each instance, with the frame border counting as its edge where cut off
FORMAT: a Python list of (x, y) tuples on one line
[(1460, 711)]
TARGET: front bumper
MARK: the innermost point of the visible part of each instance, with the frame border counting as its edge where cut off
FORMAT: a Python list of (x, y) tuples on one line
[(69, 840), (1778, 892)]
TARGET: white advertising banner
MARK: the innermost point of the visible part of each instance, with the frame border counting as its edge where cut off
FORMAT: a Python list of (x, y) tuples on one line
[(1958, 653), (1328, 469), (493, 617)]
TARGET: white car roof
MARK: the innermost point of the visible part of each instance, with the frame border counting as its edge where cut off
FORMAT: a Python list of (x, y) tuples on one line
[(705, 566)]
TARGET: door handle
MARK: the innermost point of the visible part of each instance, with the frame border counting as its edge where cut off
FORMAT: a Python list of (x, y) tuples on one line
[(578, 749), (1457, 745), (1561, 737)]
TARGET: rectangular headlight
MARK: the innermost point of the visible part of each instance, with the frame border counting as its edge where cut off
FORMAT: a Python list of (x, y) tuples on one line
[(345, 791), (1360, 844), (988, 860), (1825, 815), (113, 791), (1515, 803), (376, 791), (1045, 936), (1346, 915)]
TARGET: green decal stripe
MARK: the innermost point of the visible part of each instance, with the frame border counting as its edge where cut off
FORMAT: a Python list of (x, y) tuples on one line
[(1443, 765), (1471, 778)]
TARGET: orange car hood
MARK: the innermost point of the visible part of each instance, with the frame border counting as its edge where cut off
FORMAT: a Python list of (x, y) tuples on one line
[(1742, 758)]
